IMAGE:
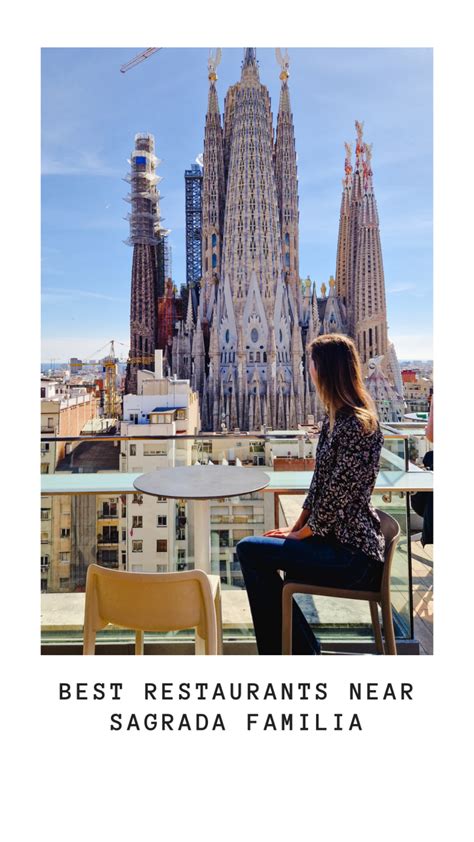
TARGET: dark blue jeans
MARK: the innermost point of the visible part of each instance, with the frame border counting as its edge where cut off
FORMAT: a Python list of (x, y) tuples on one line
[(314, 560)]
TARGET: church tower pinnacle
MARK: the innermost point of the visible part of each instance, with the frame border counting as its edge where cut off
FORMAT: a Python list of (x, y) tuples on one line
[(213, 196), (343, 242), (287, 187), (370, 311)]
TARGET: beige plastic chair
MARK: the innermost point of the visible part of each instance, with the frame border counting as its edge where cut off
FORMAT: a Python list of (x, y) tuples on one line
[(154, 602), (391, 533)]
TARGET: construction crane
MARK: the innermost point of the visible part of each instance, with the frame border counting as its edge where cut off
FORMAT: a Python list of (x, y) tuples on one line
[(112, 400), (139, 58), (109, 367)]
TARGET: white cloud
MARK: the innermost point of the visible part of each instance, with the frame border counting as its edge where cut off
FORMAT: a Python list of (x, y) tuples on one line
[(401, 287), (413, 346), (61, 348), (59, 294), (82, 163)]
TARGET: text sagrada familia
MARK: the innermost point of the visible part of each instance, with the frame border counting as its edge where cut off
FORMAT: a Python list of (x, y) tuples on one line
[(242, 340)]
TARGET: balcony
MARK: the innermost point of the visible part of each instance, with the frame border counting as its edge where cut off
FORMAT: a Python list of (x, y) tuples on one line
[(341, 626)]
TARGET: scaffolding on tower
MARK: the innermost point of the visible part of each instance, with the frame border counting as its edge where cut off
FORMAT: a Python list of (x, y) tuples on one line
[(193, 183)]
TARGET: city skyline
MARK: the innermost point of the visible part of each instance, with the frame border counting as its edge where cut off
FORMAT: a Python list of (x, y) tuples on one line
[(86, 266)]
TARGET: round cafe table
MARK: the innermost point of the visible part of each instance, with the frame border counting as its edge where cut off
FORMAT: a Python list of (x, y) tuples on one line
[(202, 483)]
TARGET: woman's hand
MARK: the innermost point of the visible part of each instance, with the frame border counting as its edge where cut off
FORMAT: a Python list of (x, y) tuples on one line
[(278, 533), (300, 534)]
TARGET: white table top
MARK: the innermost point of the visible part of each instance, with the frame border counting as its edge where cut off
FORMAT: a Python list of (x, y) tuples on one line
[(202, 482)]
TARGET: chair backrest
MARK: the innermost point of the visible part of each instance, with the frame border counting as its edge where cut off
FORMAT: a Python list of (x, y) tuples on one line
[(391, 532), (147, 601)]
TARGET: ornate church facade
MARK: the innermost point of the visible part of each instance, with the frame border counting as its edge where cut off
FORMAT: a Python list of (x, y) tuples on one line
[(242, 342)]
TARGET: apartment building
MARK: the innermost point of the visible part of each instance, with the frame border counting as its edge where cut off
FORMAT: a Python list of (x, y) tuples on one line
[(157, 534), (62, 414)]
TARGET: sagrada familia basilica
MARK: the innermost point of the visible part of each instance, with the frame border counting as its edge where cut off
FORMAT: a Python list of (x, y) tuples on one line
[(242, 338)]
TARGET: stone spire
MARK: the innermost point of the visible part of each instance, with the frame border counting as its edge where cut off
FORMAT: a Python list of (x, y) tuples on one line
[(357, 193), (189, 323), (315, 314), (343, 241), (250, 57), (390, 406), (247, 309), (252, 239), (370, 311), (198, 353), (213, 195), (144, 218), (393, 368), (287, 187)]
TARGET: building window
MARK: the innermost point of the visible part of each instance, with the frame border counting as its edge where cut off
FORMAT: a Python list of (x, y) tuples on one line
[(137, 498), (137, 522), (109, 509), (137, 568), (223, 538), (108, 558), (124, 534), (43, 392), (44, 468), (133, 450), (161, 520), (109, 535), (45, 514), (181, 414), (162, 546), (44, 538), (161, 499), (64, 556), (65, 533), (137, 547)]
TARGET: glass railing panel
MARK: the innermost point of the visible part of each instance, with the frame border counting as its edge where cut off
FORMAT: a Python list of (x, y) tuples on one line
[(124, 530)]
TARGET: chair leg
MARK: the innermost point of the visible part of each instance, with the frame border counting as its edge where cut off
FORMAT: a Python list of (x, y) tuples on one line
[(374, 614), (139, 636), (388, 631), (218, 607), (286, 622), (89, 641), (200, 642)]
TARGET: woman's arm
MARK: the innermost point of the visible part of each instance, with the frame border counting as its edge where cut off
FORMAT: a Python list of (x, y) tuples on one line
[(357, 459)]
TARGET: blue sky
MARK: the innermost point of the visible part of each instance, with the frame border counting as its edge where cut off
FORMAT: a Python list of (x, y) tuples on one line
[(91, 112)]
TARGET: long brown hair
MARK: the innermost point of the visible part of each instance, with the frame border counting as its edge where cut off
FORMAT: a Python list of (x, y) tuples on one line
[(339, 379)]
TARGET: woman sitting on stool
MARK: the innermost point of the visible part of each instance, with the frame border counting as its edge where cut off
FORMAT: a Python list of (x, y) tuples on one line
[(337, 540)]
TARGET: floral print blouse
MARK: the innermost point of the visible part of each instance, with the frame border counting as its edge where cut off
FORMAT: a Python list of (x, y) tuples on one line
[(347, 463)]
